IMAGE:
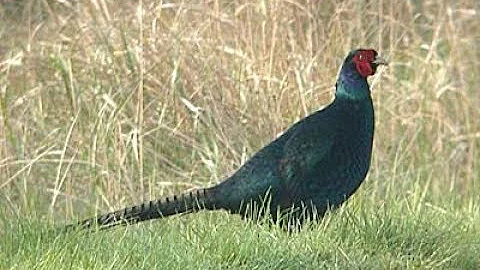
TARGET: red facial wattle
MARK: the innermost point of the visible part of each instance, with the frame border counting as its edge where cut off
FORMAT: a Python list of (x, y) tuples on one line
[(365, 69), (363, 62)]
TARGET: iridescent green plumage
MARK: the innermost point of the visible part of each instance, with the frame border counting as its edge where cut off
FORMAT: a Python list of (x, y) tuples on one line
[(315, 165)]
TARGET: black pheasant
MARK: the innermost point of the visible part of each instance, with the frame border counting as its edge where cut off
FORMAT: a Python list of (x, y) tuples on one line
[(315, 165)]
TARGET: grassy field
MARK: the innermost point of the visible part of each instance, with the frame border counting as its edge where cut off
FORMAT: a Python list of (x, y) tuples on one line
[(104, 104)]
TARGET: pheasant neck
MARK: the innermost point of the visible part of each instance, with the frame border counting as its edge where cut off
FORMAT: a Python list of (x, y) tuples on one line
[(352, 86)]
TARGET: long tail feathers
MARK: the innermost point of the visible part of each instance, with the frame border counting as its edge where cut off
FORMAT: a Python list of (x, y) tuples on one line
[(185, 203)]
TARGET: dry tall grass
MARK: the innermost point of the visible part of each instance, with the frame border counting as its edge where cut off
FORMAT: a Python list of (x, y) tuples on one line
[(106, 103)]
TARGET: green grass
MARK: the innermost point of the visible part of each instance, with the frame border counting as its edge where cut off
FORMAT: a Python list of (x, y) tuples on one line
[(104, 104), (366, 235)]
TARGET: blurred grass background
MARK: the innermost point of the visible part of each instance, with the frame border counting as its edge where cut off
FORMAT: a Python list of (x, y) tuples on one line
[(104, 104)]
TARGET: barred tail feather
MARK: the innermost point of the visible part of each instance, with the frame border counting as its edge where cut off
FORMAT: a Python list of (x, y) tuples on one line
[(185, 203)]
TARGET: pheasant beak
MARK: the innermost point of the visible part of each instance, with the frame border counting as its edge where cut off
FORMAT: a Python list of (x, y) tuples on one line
[(380, 60)]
